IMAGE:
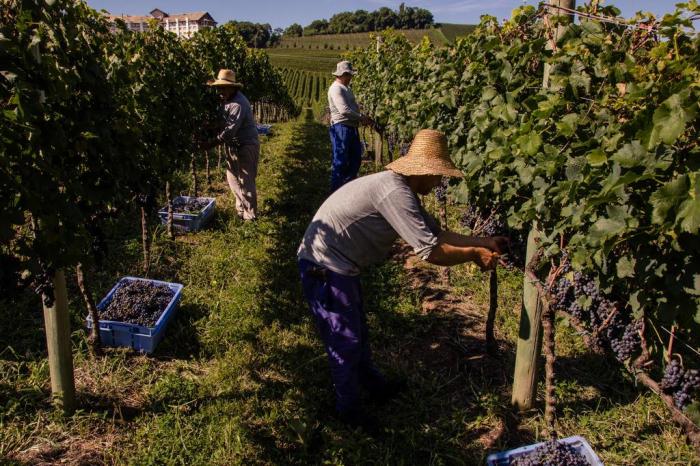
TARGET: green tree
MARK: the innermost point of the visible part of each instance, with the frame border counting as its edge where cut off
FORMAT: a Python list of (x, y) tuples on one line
[(295, 30)]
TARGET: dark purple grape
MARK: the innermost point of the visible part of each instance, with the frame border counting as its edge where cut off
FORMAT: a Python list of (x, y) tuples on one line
[(137, 302), (551, 454)]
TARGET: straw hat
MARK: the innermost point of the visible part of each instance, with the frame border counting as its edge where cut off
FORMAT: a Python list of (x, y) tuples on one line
[(428, 155), (344, 67), (225, 78)]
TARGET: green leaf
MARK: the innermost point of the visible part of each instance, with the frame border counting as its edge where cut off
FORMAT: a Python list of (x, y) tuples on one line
[(631, 155), (667, 198), (625, 267), (606, 228), (690, 209), (597, 157), (567, 125), (530, 143), (669, 121)]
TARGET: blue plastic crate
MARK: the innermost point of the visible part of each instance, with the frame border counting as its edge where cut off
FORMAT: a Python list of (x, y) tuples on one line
[(189, 222), (579, 443), (264, 130), (138, 337)]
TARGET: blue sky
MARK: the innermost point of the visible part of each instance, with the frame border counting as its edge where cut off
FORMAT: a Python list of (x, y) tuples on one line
[(282, 13)]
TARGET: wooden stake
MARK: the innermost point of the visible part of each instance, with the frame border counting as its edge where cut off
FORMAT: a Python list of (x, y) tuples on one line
[(491, 344), (94, 341), (206, 164), (563, 21), (444, 271), (550, 396), (529, 345), (378, 148), (169, 197), (193, 172), (146, 241), (57, 323)]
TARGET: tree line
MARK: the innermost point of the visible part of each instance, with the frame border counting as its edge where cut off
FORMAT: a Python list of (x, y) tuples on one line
[(405, 17)]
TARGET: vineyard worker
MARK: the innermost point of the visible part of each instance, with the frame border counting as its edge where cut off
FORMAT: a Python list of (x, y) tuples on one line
[(241, 144), (356, 226), (345, 120)]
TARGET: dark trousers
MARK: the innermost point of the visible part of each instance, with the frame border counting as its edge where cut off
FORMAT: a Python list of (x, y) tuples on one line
[(335, 301), (347, 154)]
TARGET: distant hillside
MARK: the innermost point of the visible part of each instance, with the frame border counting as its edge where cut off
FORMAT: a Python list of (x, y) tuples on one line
[(453, 31), (321, 52)]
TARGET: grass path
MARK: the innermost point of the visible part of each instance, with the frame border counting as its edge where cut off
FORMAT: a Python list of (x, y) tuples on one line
[(242, 379)]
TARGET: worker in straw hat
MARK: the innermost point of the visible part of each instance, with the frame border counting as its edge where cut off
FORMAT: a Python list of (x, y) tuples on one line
[(345, 120), (356, 226), (239, 137)]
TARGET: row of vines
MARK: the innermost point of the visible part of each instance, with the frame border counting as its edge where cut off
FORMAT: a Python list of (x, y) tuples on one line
[(306, 87), (95, 122), (602, 163)]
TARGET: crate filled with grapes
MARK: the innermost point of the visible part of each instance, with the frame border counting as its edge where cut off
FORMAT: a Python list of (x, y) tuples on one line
[(189, 213), (571, 451), (136, 312)]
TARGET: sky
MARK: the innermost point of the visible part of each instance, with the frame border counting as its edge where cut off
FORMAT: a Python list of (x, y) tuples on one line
[(282, 13)]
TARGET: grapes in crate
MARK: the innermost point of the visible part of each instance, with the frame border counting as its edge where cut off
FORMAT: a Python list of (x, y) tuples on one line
[(138, 302), (551, 454), (189, 206)]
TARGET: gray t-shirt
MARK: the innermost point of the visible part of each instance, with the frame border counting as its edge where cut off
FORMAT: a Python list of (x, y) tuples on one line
[(342, 105), (239, 127), (357, 225)]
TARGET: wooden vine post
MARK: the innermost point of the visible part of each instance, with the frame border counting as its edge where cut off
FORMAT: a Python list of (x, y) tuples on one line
[(529, 347), (529, 338), (57, 323)]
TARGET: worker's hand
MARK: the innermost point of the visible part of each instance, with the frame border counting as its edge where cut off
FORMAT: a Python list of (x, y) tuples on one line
[(499, 244), (486, 259)]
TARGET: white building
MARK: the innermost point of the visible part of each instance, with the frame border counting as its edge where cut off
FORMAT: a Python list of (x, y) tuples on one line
[(182, 24)]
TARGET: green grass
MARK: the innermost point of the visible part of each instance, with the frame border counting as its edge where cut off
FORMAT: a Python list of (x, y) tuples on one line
[(241, 377), (321, 53), (322, 61), (454, 31), (343, 42)]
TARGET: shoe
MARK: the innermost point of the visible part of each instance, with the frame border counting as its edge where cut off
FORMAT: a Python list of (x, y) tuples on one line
[(358, 419), (390, 391)]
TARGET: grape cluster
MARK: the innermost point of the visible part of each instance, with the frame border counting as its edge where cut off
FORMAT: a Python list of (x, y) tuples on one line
[(441, 190), (579, 295), (680, 383), (481, 224), (690, 385), (628, 341), (138, 302), (391, 142), (190, 206), (673, 376), (403, 148), (552, 453)]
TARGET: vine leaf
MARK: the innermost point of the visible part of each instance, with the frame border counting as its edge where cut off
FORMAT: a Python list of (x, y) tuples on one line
[(690, 209), (597, 157), (606, 228), (625, 267), (530, 143), (667, 198), (669, 121)]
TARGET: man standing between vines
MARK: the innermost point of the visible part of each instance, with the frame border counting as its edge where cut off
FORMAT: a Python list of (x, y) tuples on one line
[(345, 120), (357, 226), (239, 137)]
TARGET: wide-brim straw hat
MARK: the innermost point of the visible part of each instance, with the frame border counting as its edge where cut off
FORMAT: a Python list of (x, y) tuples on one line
[(428, 155), (225, 78), (344, 67)]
